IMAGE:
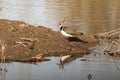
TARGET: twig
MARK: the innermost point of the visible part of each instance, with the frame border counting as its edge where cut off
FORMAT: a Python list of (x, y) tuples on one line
[(3, 47), (29, 39)]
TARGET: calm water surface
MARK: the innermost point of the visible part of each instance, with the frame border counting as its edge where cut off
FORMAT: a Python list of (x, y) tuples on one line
[(100, 68), (88, 16)]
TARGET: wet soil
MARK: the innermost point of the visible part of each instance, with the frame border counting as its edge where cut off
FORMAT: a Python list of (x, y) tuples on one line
[(24, 41)]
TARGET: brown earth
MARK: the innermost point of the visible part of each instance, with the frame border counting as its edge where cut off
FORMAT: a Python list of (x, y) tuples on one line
[(24, 41)]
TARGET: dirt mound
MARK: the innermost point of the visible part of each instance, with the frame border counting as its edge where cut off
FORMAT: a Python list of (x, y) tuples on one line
[(23, 41)]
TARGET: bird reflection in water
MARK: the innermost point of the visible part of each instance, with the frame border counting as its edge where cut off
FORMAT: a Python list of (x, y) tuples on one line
[(62, 59), (65, 59)]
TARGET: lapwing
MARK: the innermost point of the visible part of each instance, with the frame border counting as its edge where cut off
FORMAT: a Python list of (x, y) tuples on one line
[(68, 32)]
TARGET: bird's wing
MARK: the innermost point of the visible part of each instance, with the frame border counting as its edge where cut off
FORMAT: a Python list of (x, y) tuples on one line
[(69, 31), (72, 31)]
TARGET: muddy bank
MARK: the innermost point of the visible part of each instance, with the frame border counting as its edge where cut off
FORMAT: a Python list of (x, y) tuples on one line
[(24, 41)]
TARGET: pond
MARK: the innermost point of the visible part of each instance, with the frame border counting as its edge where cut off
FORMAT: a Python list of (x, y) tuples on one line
[(97, 68), (88, 16)]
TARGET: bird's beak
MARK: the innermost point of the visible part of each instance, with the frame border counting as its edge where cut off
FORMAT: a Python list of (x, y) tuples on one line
[(58, 25)]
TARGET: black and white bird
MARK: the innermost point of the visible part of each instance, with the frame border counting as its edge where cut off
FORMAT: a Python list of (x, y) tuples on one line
[(63, 58), (68, 32)]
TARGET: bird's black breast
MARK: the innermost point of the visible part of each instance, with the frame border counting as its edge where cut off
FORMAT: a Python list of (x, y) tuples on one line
[(61, 28)]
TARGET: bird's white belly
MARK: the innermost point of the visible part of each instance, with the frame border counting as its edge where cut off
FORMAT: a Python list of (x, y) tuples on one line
[(66, 34)]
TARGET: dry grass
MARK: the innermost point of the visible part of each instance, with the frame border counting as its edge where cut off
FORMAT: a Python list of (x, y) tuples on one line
[(3, 47)]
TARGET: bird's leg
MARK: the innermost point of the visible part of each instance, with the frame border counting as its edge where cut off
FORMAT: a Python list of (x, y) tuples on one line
[(68, 38)]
